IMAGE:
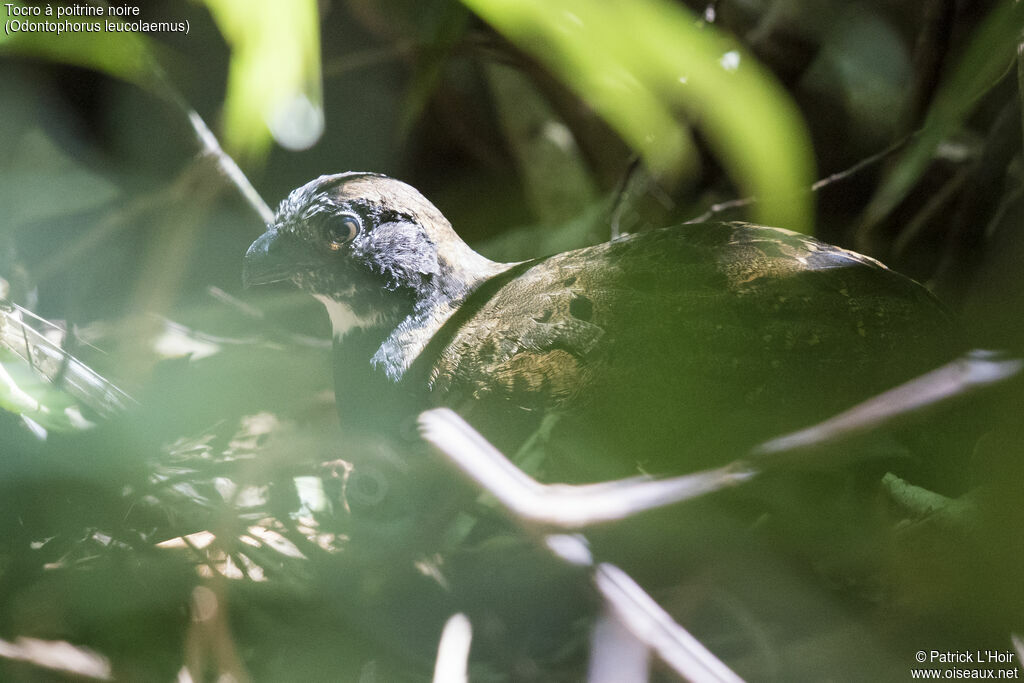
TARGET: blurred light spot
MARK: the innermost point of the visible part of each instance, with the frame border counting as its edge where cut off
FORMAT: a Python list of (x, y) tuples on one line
[(276, 541), (199, 539), (311, 495), (730, 61), (77, 420), (297, 123), (570, 547), (431, 568), (37, 429), (178, 342), (13, 396), (559, 134), (252, 496), (953, 151), (572, 18), (36, 545), (616, 654), (204, 604), (253, 571), (453, 651), (58, 655), (225, 487)]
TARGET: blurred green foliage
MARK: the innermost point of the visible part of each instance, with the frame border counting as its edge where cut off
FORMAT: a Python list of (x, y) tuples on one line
[(637, 63), (274, 79), (129, 58), (985, 60), (522, 123)]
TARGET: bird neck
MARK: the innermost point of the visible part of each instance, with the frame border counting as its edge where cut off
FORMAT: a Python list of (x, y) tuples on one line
[(460, 272)]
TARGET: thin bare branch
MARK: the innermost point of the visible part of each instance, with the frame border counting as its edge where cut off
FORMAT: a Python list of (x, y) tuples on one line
[(563, 505), (818, 185)]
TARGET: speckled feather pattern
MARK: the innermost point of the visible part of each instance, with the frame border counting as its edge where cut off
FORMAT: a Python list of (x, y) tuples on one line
[(646, 340), (406, 269), (695, 340), (682, 296)]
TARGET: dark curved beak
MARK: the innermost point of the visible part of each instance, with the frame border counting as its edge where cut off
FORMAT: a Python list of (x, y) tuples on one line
[(269, 259)]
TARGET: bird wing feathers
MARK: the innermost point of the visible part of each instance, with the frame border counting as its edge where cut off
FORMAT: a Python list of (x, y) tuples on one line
[(705, 334)]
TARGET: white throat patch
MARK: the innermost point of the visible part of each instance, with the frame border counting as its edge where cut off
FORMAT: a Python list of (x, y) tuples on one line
[(343, 318)]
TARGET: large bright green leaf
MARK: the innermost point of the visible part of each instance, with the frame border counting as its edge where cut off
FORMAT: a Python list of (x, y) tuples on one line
[(274, 84), (128, 56), (637, 63)]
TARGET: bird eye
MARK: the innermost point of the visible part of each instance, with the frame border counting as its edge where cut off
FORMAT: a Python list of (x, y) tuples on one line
[(341, 230)]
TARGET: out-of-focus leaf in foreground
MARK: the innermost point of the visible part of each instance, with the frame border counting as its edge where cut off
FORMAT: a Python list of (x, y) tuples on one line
[(25, 393), (128, 56), (987, 56), (34, 168), (637, 63), (44, 383), (274, 85)]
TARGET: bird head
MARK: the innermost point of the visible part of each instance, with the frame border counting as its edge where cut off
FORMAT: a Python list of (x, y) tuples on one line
[(371, 248)]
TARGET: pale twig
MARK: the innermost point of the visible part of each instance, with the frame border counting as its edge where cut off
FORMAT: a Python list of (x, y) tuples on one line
[(366, 58), (561, 505), (653, 626), (58, 656), (634, 623), (615, 653), (209, 146), (837, 177), (227, 166), (643, 621), (964, 375), (452, 664), (52, 362)]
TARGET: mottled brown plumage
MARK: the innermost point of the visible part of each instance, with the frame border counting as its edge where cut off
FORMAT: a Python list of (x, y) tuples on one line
[(669, 349)]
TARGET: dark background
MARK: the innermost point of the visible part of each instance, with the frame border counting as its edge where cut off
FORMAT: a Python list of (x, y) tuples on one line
[(110, 225)]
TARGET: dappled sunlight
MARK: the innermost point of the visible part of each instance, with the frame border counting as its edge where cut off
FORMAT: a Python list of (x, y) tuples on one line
[(570, 412)]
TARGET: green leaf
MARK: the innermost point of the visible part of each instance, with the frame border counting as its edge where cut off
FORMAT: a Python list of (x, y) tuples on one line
[(43, 382), (274, 85), (638, 63), (553, 171), (439, 38), (987, 56), (23, 392), (128, 56), (35, 170)]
